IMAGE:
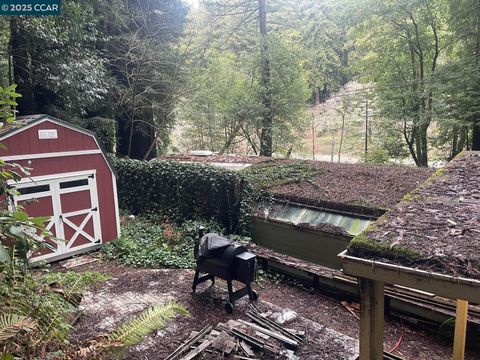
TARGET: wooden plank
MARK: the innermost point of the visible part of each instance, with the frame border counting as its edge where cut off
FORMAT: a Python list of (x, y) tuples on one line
[(247, 349), (192, 354), (440, 284), (371, 319), (192, 340), (273, 334), (460, 330), (378, 314), (269, 324)]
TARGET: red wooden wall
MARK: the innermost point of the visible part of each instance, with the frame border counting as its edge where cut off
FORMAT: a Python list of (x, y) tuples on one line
[(26, 142)]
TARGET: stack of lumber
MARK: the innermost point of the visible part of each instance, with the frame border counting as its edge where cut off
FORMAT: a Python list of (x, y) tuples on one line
[(258, 337)]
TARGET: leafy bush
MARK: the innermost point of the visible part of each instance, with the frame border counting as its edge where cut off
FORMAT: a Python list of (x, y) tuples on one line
[(377, 156), (36, 310), (146, 243), (105, 129), (180, 191)]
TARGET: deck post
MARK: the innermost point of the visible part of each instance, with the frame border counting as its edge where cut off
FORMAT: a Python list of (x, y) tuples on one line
[(371, 319), (460, 330)]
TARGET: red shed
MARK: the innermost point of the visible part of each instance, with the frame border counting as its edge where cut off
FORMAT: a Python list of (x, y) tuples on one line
[(71, 181)]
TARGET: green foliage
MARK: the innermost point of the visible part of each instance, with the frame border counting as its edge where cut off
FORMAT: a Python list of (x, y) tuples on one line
[(72, 281), (226, 102), (274, 173), (11, 325), (178, 191), (224, 112), (147, 243), (8, 101), (105, 130), (147, 69), (377, 156), (154, 318), (130, 333), (42, 306), (57, 57)]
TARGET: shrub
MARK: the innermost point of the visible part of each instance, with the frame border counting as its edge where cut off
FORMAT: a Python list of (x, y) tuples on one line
[(105, 129), (146, 243), (36, 310), (180, 191)]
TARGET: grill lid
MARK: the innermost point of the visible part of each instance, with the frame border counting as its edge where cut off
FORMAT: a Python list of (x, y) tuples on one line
[(209, 244)]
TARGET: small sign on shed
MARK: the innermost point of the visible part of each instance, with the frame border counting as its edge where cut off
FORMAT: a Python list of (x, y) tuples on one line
[(71, 182)]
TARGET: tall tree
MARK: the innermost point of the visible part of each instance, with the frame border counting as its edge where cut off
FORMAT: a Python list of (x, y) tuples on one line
[(55, 62), (267, 119), (465, 24), (146, 63), (399, 45)]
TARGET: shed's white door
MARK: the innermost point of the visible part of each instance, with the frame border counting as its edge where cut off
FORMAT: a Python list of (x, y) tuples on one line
[(71, 202)]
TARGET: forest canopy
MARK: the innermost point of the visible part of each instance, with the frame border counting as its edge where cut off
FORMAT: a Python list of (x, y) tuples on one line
[(378, 80)]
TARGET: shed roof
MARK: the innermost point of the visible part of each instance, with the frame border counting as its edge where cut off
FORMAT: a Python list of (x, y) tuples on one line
[(22, 122), (436, 228)]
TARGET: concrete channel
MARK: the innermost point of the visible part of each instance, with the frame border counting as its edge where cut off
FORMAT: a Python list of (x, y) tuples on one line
[(309, 234)]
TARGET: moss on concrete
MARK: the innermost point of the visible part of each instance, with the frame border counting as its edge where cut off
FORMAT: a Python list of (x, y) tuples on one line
[(362, 244)]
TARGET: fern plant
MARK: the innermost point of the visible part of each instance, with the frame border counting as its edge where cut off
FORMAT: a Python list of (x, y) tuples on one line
[(128, 334), (154, 318), (12, 325)]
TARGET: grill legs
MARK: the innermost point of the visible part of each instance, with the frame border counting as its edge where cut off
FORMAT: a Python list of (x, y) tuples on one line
[(233, 296), (200, 279)]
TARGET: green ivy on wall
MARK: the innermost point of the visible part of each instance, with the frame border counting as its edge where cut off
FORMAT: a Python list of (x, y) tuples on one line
[(181, 191)]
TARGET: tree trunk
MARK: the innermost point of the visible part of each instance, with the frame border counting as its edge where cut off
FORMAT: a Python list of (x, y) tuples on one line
[(132, 124), (313, 136), (341, 137), (230, 138), (22, 69), (366, 127), (476, 121), (267, 123), (333, 146), (424, 146)]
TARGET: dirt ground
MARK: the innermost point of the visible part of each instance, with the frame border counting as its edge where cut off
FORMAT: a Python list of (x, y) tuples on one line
[(373, 186), (130, 290)]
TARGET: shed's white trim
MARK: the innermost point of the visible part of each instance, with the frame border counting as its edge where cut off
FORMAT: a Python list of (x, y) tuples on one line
[(115, 199), (61, 219), (35, 179), (41, 120), (51, 155)]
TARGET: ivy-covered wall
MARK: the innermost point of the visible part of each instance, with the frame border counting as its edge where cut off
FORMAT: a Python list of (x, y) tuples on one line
[(180, 191)]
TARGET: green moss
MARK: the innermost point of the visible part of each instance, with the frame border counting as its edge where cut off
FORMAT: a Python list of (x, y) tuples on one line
[(362, 245), (439, 172), (267, 175), (411, 196), (366, 204)]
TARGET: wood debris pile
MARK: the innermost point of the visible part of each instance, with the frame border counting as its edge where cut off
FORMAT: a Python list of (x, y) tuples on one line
[(259, 337)]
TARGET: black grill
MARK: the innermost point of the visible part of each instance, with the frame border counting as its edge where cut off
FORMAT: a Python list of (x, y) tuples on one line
[(219, 257)]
